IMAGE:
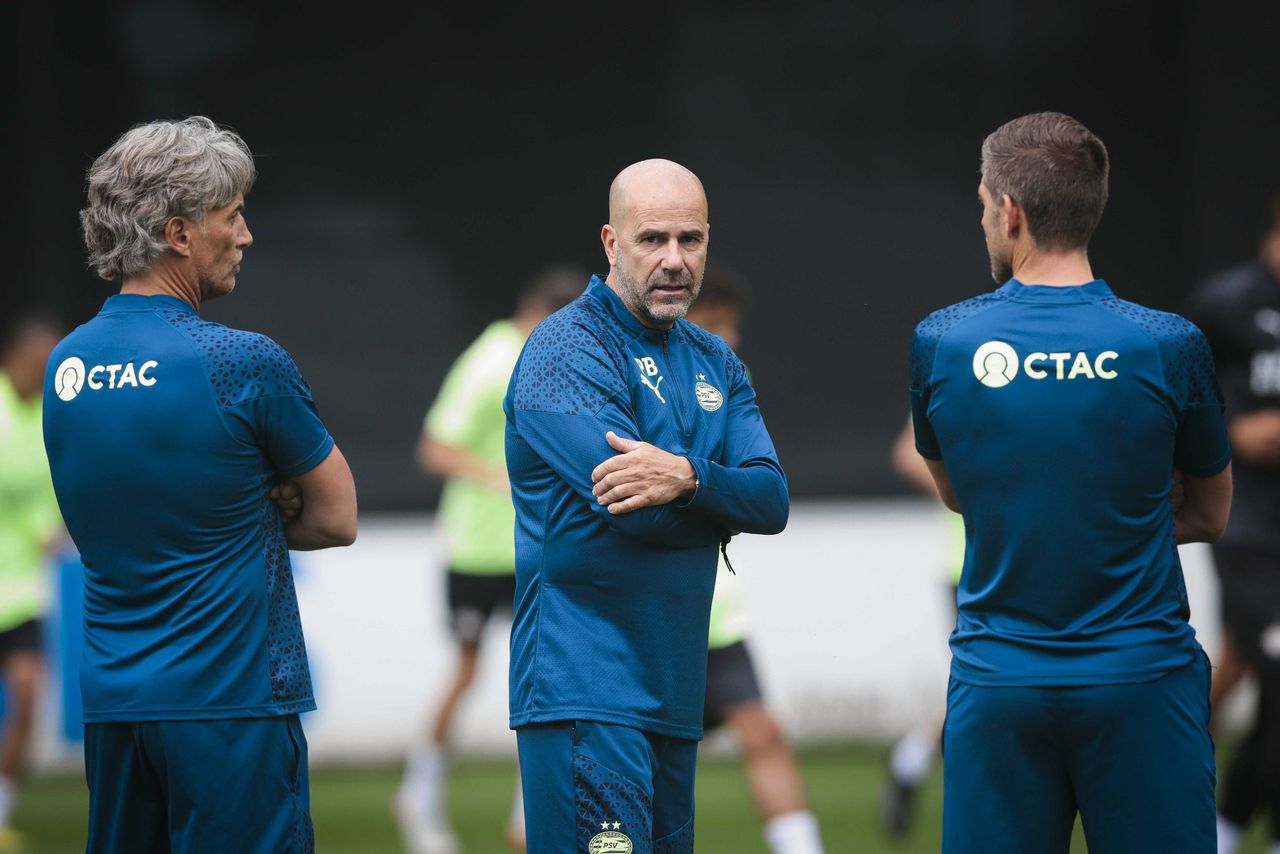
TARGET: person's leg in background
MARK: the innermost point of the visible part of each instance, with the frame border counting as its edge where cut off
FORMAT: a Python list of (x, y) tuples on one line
[(774, 780), (733, 697), (22, 669), (1251, 613), (420, 803)]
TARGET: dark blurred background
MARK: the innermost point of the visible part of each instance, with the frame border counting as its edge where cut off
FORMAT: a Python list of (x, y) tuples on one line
[(418, 164)]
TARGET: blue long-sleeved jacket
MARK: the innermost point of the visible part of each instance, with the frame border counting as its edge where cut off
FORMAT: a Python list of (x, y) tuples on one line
[(612, 611)]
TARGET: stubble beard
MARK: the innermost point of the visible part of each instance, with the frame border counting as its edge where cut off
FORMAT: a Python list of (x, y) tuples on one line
[(644, 303), (1001, 267), (212, 288)]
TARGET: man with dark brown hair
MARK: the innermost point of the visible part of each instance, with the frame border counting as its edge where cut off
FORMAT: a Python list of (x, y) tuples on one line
[(1082, 438)]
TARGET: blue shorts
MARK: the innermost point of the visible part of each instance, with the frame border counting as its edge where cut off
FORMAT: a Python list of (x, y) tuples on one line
[(1136, 760), (198, 786), (593, 788)]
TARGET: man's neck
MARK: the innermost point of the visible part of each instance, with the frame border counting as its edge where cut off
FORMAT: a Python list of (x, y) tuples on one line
[(1033, 266), (163, 279)]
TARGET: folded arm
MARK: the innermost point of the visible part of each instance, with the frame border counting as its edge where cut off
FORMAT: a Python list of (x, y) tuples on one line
[(744, 491), (1202, 507), (319, 507), (575, 445)]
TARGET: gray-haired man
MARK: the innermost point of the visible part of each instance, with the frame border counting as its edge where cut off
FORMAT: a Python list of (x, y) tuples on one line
[(168, 439)]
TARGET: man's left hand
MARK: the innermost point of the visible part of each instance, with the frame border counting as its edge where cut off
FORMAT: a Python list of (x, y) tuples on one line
[(640, 476)]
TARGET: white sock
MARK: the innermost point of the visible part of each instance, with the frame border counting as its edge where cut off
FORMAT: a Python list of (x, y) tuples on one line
[(1229, 836), (911, 759), (793, 833), (1274, 849), (423, 781), (6, 799)]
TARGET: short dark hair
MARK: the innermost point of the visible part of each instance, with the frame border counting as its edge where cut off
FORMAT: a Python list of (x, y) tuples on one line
[(722, 286), (1056, 169), (554, 287)]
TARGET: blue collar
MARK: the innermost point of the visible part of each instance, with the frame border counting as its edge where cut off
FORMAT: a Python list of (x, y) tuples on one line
[(142, 302), (1088, 292)]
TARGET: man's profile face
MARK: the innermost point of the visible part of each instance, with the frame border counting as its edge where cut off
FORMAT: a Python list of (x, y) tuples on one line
[(660, 253), (217, 247), (999, 247)]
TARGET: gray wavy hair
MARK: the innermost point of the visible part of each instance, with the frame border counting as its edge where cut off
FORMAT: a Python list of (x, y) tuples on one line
[(151, 174)]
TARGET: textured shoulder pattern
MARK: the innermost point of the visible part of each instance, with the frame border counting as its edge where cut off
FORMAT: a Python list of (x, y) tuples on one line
[(573, 362), (712, 345), (241, 365), (1185, 356), (930, 332), (707, 343)]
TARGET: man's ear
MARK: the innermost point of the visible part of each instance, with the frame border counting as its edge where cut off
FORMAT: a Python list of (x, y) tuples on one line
[(609, 238), (1011, 215), (177, 235)]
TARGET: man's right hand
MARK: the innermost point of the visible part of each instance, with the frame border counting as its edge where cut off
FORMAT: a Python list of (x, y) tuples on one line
[(1255, 437)]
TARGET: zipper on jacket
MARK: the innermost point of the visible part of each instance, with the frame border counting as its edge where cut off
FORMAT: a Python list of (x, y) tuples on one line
[(681, 423)]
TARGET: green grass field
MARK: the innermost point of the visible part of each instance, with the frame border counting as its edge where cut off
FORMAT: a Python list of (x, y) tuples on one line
[(352, 816)]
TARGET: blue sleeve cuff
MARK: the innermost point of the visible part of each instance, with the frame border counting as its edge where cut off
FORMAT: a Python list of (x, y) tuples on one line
[(698, 478)]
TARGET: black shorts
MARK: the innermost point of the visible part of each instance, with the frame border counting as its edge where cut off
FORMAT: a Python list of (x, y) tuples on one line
[(24, 637), (1250, 582), (472, 601), (731, 681)]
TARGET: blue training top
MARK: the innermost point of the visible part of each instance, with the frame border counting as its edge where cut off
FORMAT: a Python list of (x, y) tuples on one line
[(1060, 413), (165, 433), (612, 611)]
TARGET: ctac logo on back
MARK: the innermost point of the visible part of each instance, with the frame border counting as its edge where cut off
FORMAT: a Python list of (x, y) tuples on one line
[(996, 364), (72, 376)]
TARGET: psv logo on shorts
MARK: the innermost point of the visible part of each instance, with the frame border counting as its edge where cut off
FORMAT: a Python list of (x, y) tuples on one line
[(610, 842)]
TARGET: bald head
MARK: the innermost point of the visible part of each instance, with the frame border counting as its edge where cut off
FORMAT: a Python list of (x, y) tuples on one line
[(656, 240), (654, 185)]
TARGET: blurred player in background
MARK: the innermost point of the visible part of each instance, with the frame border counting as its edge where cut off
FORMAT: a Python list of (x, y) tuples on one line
[(1060, 420), (635, 449), (1239, 311), (188, 459), (733, 689), (462, 441), (30, 527), (914, 755)]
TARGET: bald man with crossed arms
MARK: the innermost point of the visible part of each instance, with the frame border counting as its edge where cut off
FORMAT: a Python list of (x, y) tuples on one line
[(635, 448)]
